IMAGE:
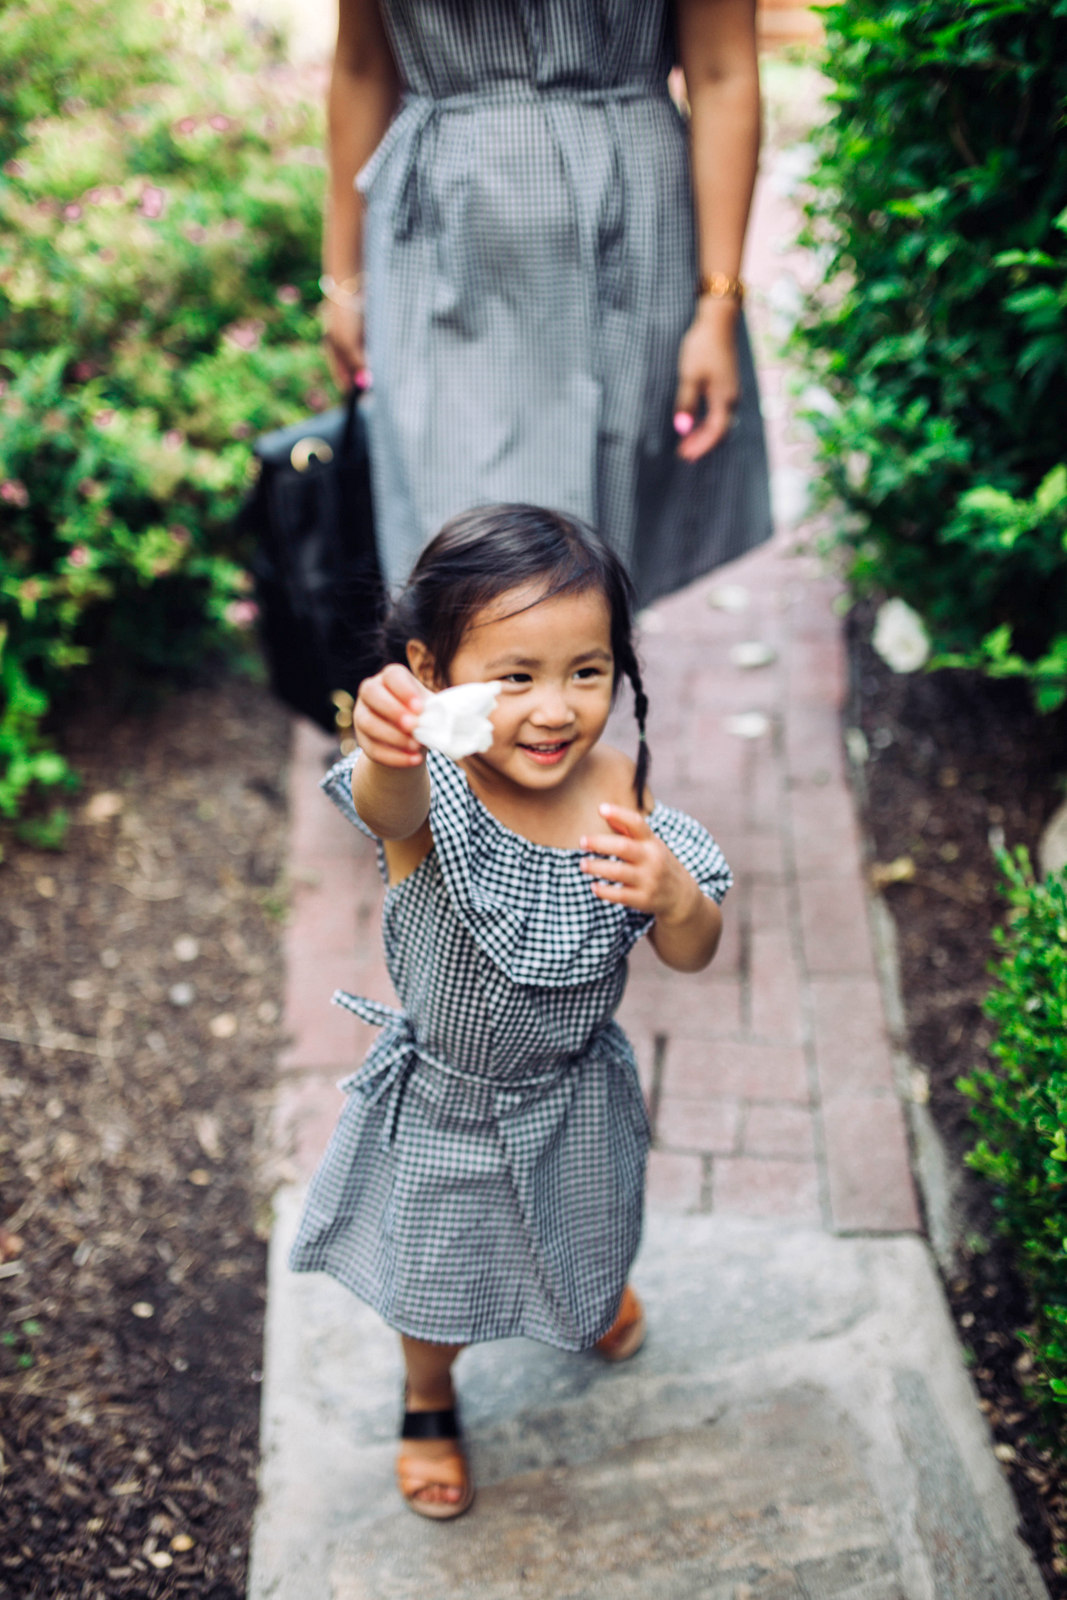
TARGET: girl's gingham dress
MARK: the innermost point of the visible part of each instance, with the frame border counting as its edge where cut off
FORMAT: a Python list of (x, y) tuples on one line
[(486, 1176), (531, 270)]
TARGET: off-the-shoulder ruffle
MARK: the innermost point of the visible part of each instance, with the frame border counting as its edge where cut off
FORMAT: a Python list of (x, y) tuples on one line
[(528, 906)]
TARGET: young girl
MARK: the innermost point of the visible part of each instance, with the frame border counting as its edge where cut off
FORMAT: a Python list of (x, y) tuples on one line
[(486, 1176)]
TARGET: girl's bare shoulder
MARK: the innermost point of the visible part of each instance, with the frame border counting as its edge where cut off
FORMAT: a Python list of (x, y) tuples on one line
[(613, 776)]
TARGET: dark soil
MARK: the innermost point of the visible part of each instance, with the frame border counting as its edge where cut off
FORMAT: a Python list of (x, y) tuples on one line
[(140, 989), (956, 765)]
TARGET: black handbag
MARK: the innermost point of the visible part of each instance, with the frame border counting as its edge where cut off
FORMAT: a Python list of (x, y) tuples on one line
[(318, 584)]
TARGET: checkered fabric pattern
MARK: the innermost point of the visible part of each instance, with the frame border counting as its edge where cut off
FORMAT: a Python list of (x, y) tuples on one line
[(486, 1177), (532, 265)]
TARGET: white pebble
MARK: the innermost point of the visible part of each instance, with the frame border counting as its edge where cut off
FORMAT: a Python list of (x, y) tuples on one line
[(752, 653), (748, 725), (186, 948), (181, 994), (728, 597)]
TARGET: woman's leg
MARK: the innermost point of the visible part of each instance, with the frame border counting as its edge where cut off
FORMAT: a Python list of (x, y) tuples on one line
[(429, 1388)]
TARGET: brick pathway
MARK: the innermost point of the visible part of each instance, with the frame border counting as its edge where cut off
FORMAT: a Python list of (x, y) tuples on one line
[(769, 1077)]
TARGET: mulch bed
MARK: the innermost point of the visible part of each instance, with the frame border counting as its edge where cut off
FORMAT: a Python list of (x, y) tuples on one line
[(140, 990), (957, 764)]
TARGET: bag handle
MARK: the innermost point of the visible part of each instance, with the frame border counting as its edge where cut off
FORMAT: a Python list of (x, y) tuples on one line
[(351, 408)]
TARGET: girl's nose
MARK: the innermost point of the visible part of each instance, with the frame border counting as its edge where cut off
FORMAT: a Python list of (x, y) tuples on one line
[(553, 710)]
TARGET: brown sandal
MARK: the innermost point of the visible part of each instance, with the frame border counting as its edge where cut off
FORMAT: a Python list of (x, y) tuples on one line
[(627, 1333), (413, 1473)]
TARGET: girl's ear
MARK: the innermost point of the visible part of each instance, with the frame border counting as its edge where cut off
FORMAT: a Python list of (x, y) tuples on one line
[(423, 665)]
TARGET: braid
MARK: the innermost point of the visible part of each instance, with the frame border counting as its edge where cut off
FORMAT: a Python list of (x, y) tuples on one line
[(633, 672)]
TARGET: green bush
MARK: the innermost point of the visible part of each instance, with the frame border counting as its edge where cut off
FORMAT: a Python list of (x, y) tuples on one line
[(158, 309), (1019, 1105), (938, 207)]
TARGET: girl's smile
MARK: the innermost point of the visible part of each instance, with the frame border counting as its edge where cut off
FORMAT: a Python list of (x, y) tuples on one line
[(554, 658)]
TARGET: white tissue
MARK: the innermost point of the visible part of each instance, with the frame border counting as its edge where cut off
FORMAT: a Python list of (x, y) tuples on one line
[(456, 721)]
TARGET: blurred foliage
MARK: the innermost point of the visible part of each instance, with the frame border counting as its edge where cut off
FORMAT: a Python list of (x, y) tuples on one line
[(938, 340), (1019, 1105), (160, 210)]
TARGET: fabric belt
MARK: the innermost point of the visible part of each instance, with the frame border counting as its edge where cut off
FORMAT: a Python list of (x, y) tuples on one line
[(385, 1072), (520, 91)]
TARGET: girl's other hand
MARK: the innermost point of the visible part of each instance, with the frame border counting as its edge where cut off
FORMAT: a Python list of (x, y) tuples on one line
[(708, 376), (345, 349), (387, 708), (644, 874)]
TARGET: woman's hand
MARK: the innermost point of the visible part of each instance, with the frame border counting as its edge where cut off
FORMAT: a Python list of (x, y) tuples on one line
[(707, 372), (345, 349), (387, 708)]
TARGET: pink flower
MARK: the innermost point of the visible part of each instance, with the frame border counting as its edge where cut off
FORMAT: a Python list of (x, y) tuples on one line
[(180, 534), (231, 228), (153, 201), (14, 492), (241, 613), (94, 197), (219, 122), (107, 256), (79, 555), (289, 294), (241, 430), (82, 371), (14, 169), (316, 399), (186, 125), (90, 488), (173, 440), (72, 213), (245, 335), (104, 419), (195, 233)]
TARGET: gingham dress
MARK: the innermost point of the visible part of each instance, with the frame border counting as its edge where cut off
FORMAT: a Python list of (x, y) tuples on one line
[(529, 244), (485, 1179)]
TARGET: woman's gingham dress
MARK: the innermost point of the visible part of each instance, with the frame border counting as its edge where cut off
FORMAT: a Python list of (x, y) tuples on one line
[(486, 1177), (529, 245)]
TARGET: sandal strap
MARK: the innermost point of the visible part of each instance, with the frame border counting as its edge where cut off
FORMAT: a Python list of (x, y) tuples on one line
[(443, 1424), (413, 1474)]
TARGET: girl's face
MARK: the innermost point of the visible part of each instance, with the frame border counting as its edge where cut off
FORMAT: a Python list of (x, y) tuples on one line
[(555, 662)]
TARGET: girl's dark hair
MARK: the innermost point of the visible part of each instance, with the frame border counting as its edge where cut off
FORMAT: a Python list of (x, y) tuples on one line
[(480, 555)]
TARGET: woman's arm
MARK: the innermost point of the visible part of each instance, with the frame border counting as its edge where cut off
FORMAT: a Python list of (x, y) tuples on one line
[(717, 52), (363, 94)]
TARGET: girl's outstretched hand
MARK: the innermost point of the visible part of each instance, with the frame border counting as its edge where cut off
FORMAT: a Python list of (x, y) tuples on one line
[(387, 708), (645, 874)]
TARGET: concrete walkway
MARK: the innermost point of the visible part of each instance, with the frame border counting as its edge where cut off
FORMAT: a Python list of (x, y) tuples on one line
[(800, 1423)]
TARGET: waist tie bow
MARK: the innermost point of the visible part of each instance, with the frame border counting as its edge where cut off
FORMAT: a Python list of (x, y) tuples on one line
[(394, 1056)]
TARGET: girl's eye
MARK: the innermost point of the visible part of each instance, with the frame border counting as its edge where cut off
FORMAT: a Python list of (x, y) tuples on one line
[(586, 673), (516, 677)]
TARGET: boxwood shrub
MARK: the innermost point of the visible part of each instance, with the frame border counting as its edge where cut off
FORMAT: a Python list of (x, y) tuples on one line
[(159, 227), (1019, 1105), (938, 339)]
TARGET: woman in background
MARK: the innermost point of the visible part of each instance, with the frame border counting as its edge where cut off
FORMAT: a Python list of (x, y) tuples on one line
[(540, 265)]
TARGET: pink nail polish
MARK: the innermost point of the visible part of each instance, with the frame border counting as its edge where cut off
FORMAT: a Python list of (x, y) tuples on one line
[(683, 423)]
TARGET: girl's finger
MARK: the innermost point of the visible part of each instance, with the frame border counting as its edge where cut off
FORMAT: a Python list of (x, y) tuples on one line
[(612, 871), (610, 844), (623, 819), (620, 894)]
